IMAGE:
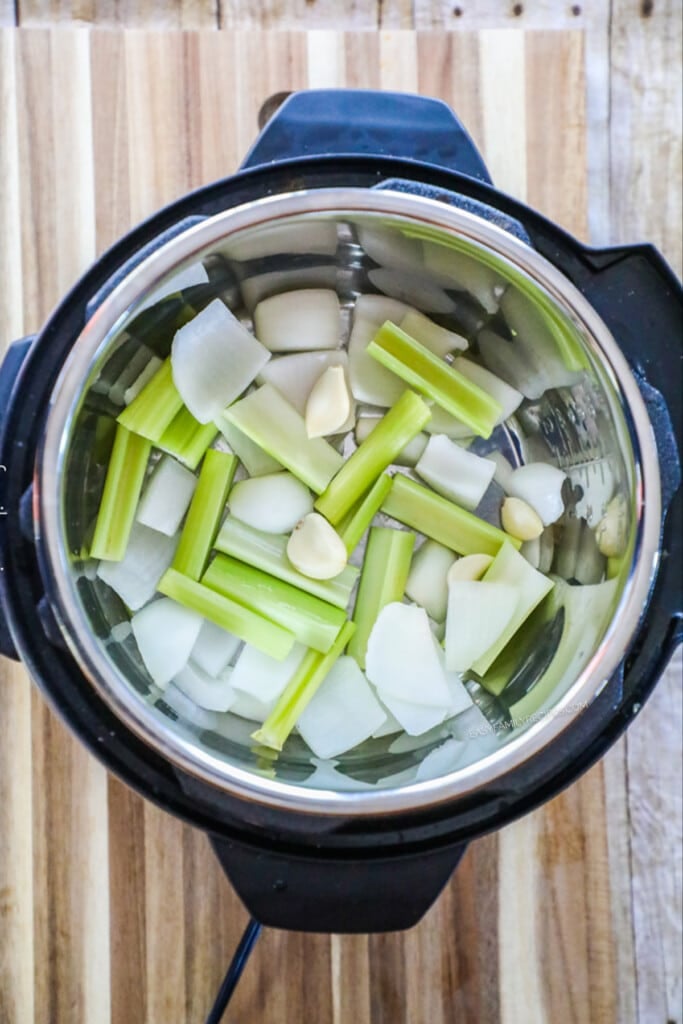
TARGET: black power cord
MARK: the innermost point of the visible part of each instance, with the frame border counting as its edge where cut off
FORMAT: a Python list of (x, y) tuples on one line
[(234, 971)]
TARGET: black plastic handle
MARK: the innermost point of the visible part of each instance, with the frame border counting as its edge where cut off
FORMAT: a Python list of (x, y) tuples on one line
[(322, 893), (640, 299), (324, 122), (9, 371)]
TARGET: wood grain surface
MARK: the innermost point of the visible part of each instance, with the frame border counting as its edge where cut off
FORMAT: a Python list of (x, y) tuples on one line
[(112, 912)]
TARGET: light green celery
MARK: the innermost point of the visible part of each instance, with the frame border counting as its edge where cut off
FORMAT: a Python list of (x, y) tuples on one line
[(151, 412), (385, 572), (268, 551), (420, 368), (357, 521), (248, 625), (122, 486), (442, 520), (398, 426), (299, 692), (510, 567), (314, 622), (271, 422), (187, 439), (204, 514)]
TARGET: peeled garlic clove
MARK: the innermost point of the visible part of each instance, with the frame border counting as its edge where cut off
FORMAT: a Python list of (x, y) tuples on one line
[(329, 403), (471, 567), (520, 520), (611, 532), (316, 549)]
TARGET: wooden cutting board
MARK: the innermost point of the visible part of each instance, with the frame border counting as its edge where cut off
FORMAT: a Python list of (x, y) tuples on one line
[(111, 911)]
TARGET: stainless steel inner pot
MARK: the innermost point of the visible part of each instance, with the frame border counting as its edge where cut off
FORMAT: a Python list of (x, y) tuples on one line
[(455, 266)]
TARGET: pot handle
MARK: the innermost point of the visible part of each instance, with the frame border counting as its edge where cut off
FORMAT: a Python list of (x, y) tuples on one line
[(336, 122), (323, 893), (9, 371)]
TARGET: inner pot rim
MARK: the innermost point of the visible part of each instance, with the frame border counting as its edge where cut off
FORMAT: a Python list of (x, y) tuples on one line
[(60, 587)]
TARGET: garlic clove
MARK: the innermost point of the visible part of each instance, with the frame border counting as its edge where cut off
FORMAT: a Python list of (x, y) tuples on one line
[(520, 520), (329, 403), (469, 568), (611, 533), (316, 549)]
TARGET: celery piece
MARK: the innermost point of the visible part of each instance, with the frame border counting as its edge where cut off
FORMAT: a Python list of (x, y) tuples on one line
[(204, 513), (440, 519), (187, 439), (151, 412), (254, 459), (397, 427), (299, 691), (510, 567), (248, 625), (122, 486), (313, 622), (268, 551), (268, 419), (385, 572), (359, 518), (420, 368)]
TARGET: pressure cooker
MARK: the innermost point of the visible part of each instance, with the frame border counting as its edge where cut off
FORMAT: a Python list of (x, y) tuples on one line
[(364, 193)]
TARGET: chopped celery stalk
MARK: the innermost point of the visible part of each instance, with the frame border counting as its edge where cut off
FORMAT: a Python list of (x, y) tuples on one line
[(400, 424), (248, 625), (366, 423), (357, 521), (122, 486), (275, 425), (510, 567), (420, 368), (383, 580), (187, 439), (313, 622), (440, 519), (166, 497), (508, 397), (254, 459), (155, 407), (204, 515), (268, 551), (300, 691)]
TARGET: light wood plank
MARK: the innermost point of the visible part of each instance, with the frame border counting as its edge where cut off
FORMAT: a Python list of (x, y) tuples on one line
[(178, 14), (503, 99)]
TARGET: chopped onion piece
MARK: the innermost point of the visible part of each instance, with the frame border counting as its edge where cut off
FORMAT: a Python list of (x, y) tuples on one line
[(455, 473), (390, 726), (540, 485), (208, 692), (259, 287), (370, 381), (273, 503), (437, 339), (507, 360), (427, 584), (410, 287), (343, 712), (503, 470), (251, 708), (301, 320), (402, 657), (148, 556), (213, 649), (469, 567), (165, 633), (389, 247), (261, 676), (295, 375), (478, 613), (214, 358), (167, 497), (507, 397), (415, 719), (305, 237), (459, 271), (329, 403)]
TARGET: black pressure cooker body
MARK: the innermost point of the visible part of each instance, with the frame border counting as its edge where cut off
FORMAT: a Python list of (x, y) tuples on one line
[(342, 872)]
